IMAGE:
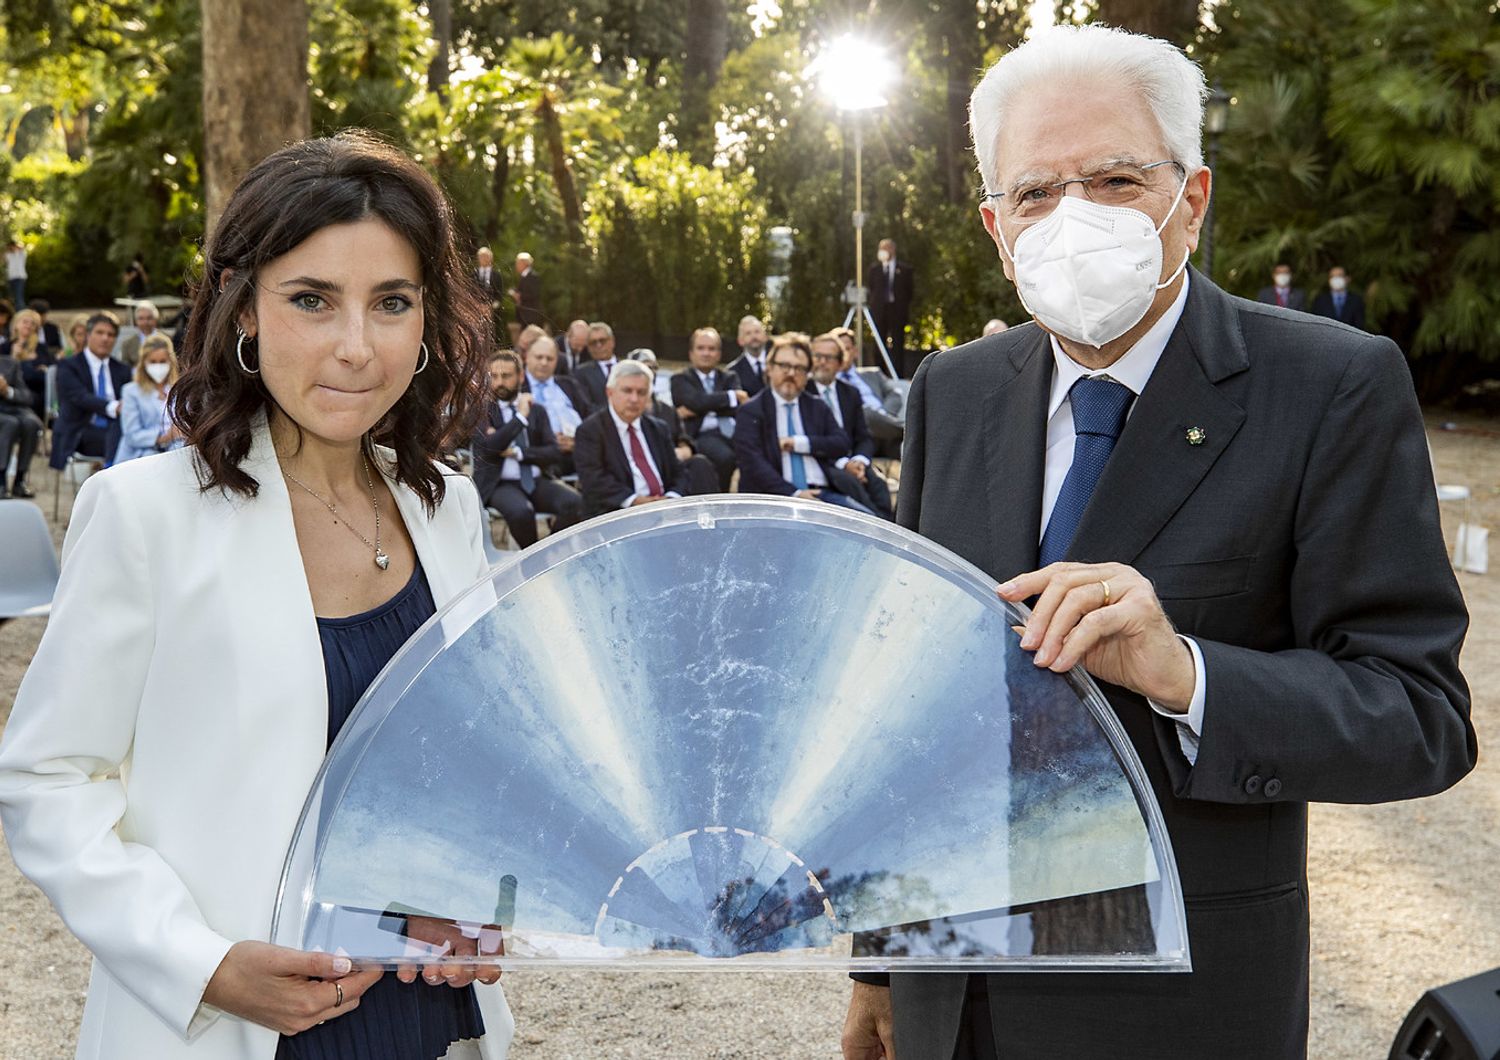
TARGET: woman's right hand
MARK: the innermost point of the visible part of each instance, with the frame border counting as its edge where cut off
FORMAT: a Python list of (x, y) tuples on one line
[(284, 989)]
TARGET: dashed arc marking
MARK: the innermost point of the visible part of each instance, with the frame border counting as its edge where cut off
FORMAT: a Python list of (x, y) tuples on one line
[(715, 830)]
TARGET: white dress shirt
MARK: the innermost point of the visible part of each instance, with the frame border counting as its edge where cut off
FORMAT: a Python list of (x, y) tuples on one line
[(757, 359), (560, 411), (830, 394), (800, 444), (642, 488), (711, 420), (1132, 371), (95, 363), (510, 470)]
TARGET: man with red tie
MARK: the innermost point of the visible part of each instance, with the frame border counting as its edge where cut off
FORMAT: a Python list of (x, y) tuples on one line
[(625, 457), (1281, 292)]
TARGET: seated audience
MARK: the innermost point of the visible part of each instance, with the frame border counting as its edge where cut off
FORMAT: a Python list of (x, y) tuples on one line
[(529, 334), (883, 403), (593, 377), (786, 440), (750, 365), (664, 410), (573, 348), (516, 456), (625, 458), (7, 314), (565, 402), (88, 396), (843, 401), (20, 427), (707, 396), (145, 426)]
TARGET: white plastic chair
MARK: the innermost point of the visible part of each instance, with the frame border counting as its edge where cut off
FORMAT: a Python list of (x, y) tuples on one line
[(28, 562)]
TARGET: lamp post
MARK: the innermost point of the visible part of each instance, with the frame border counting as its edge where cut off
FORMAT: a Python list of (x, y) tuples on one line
[(1215, 118), (855, 74)]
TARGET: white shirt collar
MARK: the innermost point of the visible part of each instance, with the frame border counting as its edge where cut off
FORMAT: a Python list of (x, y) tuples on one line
[(1133, 370), (94, 363), (783, 402), (621, 425)]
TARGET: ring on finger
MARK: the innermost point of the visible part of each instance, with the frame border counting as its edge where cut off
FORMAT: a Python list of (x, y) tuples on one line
[(338, 999), (1105, 586)]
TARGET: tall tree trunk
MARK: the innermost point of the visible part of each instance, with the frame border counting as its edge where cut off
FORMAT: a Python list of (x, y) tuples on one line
[(1173, 20), (255, 95), (562, 173), (75, 128), (707, 46), (963, 55), (440, 68), (499, 182)]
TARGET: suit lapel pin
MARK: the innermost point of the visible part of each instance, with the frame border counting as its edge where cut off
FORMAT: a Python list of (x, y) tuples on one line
[(1196, 436)]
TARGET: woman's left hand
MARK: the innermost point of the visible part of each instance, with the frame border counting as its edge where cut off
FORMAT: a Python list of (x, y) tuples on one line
[(448, 938)]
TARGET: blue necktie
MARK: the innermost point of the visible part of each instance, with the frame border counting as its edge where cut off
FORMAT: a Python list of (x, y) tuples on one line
[(799, 473), (101, 388), (1099, 407)]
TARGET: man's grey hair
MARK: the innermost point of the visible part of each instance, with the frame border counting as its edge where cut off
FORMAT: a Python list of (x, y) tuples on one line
[(148, 308), (542, 342), (751, 319), (600, 325), (1169, 83), (626, 369)]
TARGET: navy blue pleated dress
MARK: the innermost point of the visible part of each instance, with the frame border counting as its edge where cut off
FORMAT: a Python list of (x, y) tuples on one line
[(395, 1020)]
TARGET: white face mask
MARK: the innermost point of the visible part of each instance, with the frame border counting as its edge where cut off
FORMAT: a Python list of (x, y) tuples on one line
[(1337, 283), (1088, 272), (883, 255), (158, 372), (1283, 279)]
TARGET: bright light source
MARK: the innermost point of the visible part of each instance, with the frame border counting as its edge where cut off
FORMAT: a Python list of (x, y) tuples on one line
[(854, 73)]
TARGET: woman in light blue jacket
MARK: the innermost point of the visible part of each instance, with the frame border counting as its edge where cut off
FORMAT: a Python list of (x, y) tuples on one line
[(145, 426)]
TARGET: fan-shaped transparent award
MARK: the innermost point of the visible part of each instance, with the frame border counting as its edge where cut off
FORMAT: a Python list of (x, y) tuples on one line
[(733, 733)]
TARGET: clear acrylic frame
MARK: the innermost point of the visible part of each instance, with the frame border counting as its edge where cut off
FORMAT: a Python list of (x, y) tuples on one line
[(736, 732)]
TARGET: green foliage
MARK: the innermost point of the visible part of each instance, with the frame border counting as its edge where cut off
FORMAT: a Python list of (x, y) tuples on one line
[(1367, 135), (676, 246)]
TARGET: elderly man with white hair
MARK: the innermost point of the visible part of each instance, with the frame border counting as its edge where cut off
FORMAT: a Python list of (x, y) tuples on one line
[(1221, 510), (625, 458), (147, 317), (527, 293)]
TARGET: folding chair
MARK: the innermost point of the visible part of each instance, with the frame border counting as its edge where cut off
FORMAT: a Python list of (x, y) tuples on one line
[(28, 562)]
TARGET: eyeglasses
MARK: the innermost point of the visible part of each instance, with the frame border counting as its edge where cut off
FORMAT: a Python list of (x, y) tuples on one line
[(599, 341), (787, 366), (1122, 184)]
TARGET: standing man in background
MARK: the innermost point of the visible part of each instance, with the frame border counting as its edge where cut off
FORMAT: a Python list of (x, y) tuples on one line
[(527, 293), (890, 284), (15, 272), (1281, 292), (1338, 302)]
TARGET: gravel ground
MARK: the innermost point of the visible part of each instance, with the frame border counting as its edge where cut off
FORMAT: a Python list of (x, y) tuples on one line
[(1402, 900)]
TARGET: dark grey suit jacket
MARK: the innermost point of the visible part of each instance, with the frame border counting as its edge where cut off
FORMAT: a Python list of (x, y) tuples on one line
[(1299, 544)]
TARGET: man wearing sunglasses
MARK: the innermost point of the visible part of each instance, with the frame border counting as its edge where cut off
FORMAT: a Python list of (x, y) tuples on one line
[(786, 440), (594, 375), (1221, 510)]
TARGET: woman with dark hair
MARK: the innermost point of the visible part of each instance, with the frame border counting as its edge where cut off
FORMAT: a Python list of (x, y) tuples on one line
[(223, 606)]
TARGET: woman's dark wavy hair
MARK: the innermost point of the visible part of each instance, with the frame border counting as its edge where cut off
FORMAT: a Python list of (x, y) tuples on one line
[(281, 202)]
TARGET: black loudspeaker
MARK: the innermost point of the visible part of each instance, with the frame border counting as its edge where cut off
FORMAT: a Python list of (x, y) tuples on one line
[(1460, 1021)]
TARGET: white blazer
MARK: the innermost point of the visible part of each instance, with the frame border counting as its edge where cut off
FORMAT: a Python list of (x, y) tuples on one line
[(168, 731)]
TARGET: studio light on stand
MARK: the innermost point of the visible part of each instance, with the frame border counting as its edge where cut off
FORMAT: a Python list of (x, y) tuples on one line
[(855, 74)]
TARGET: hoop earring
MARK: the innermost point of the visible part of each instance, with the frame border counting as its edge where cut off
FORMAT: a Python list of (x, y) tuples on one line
[(425, 358), (239, 354)]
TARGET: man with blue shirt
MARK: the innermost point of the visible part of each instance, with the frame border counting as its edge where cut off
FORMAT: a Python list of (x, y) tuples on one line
[(1339, 302)]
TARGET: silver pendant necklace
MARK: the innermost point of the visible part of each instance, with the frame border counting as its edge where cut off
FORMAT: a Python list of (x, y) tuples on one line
[(381, 559)]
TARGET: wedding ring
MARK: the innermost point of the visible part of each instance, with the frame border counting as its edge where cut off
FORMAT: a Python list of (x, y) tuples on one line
[(1105, 587), (339, 999)]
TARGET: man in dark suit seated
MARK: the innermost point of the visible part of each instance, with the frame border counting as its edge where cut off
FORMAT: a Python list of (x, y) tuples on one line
[(842, 400), (625, 458), (1223, 511), (750, 365), (786, 440), (883, 403), (20, 427), (1338, 302), (709, 395), (573, 348), (593, 377), (515, 456), (88, 396)]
